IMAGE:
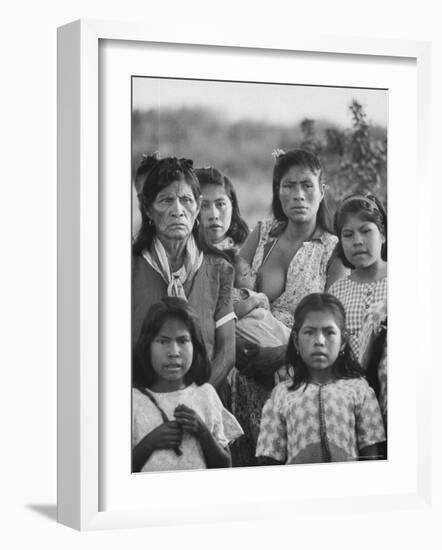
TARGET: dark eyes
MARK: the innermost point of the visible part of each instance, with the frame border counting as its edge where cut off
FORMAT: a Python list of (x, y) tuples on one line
[(348, 235), (182, 340), (170, 200), (309, 332), (221, 204), (290, 185)]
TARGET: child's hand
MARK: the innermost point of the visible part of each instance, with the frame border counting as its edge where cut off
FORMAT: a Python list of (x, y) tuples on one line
[(189, 420), (165, 436)]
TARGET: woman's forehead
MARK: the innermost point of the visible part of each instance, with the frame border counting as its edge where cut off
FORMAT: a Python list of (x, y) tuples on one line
[(213, 191), (177, 188), (297, 172)]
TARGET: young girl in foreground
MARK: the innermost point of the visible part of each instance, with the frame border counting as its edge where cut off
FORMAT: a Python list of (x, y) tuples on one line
[(328, 412), (361, 225), (178, 421)]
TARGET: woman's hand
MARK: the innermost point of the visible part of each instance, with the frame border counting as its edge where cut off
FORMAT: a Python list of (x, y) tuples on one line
[(189, 420)]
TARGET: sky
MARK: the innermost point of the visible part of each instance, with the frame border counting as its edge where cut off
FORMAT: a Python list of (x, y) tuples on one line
[(278, 103)]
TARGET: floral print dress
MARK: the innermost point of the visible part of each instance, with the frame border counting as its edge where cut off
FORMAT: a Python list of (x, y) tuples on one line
[(320, 422), (307, 273)]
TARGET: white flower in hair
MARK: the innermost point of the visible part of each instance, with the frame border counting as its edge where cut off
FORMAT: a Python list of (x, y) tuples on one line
[(276, 153)]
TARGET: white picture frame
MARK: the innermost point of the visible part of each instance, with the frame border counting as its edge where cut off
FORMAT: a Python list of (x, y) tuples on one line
[(83, 299)]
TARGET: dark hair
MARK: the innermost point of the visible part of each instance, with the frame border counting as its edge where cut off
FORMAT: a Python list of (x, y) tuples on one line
[(346, 365), (304, 159), (238, 229), (367, 206), (377, 350), (152, 176), (171, 307)]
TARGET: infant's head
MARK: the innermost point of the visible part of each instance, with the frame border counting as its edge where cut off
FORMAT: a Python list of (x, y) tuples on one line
[(243, 275)]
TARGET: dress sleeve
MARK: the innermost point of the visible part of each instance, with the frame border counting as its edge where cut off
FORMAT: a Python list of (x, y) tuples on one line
[(224, 306), (272, 438), (369, 424), (225, 428)]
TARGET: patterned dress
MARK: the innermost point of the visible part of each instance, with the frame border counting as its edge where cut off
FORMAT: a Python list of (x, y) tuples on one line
[(307, 273), (357, 298), (375, 321), (320, 423)]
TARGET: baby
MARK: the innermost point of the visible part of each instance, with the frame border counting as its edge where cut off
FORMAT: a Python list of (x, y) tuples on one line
[(255, 322)]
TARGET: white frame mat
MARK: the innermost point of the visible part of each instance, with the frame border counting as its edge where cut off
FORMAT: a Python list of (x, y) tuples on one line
[(95, 487)]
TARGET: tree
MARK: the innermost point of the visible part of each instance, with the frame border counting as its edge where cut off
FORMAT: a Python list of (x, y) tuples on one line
[(365, 162)]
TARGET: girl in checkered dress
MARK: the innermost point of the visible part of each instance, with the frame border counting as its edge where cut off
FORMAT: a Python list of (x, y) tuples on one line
[(361, 225), (328, 412)]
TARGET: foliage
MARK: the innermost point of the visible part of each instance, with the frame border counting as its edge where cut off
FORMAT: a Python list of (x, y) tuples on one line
[(364, 165), (355, 158)]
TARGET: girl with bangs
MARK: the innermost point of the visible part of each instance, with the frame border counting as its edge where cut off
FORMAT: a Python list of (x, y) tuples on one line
[(361, 225), (328, 412), (179, 422)]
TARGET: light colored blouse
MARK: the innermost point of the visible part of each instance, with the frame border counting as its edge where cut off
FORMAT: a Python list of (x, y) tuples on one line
[(307, 271), (320, 423), (205, 402)]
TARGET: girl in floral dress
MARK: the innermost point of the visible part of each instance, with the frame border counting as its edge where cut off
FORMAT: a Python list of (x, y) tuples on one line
[(328, 412)]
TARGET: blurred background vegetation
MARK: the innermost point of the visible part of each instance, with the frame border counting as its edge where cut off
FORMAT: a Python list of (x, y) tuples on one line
[(354, 157)]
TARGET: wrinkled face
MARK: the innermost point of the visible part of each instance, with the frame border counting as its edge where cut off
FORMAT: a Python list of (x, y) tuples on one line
[(243, 276), (174, 211), (361, 241), (216, 212), (300, 193), (319, 340), (171, 353)]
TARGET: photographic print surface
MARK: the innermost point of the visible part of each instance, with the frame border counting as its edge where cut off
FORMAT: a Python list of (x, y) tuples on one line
[(259, 278)]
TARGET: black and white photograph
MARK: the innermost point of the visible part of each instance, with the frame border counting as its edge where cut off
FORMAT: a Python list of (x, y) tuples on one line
[(195, 342), (259, 274)]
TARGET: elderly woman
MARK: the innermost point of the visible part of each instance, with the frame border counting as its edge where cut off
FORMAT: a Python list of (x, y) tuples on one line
[(170, 258), (291, 255), (220, 216)]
